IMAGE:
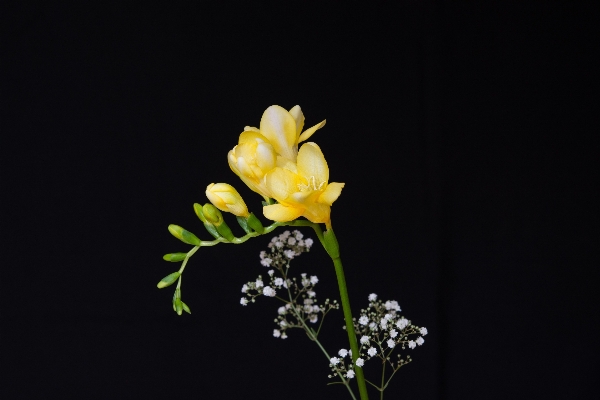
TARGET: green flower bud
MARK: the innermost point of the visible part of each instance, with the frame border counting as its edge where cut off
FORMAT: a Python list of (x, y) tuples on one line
[(244, 224), (255, 223), (198, 211), (183, 235), (212, 214), (168, 280), (185, 308), (174, 257), (178, 306)]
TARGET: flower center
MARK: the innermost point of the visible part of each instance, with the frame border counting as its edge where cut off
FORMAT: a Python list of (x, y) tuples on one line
[(312, 185)]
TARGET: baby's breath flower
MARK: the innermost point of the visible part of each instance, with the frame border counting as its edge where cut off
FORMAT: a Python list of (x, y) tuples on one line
[(363, 320), (244, 301), (420, 340), (350, 374), (360, 362), (412, 344), (291, 241), (266, 262), (383, 323), (276, 333), (279, 244), (283, 335), (313, 318), (372, 351), (402, 323), (316, 309), (334, 360), (289, 254), (311, 293), (281, 310), (391, 343), (314, 280), (271, 272), (364, 340), (373, 326), (393, 333), (392, 305), (245, 288), (298, 234), (308, 242), (278, 282), (269, 291), (343, 353), (372, 297), (423, 331), (259, 283), (263, 254)]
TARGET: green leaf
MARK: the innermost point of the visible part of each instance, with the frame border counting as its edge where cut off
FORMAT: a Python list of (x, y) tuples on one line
[(168, 280), (174, 257), (255, 223), (185, 308)]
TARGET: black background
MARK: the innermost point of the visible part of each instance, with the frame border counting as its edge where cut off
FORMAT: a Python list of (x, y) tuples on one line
[(464, 135)]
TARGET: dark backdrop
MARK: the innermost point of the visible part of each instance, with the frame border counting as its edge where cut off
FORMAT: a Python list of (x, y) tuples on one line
[(463, 134)]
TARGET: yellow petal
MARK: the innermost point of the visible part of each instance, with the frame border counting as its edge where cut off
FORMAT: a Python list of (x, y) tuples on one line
[(251, 128), (311, 163), (331, 193), (317, 213), (281, 183), (251, 136), (281, 213), (298, 116), (265, 156), (279, 127), (308, 133)]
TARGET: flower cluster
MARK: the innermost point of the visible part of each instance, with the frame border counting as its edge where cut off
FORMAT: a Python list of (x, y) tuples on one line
[(301, 305), (380, 330)]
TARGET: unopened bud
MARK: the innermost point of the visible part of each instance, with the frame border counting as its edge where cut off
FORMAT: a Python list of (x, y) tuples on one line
[(168, 280), (174, 257), (212, 214), (183, 235), (227, 199)]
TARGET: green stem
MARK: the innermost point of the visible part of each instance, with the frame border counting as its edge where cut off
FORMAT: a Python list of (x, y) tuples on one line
[(382, 381)]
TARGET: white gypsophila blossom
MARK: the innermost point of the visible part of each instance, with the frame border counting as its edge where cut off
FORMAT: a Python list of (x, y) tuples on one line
[(372, 351), (288, 306), (285, 285), (343, 353), (275, 239), (360, 362), (278, 282), (259, 283), (301, 243), (276, 332), (363, 320), (291, 241), (314, 280), (334, 360), (402, 323), (283, 335), (373, 326), (364, 339), (383, 323), (284, 235), (281, 310), (245, 288), (279, 244), (313, 318), (298, 234), (393, 333), (316, 309), (269, 291), (392, 305), (308, 242), (350, 374), (289, 254), (308, 301), (423, 331), (372, 297), (271, 272), (244, 301), (263, 254), (311, 293), (412, 344), (283, 323), (307, 308), (266, 262), (391, 343), (420, 340), (388, 316)]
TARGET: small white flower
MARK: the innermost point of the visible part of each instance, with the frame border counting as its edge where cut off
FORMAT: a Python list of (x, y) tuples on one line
[(363, 320), (276, 333), (283, 335), (308, 301), (350, 374), (259, 283), (360, 362), (311, 294), (412, 344), (372, 297), (244, 301), (372, 351), (291, 241), (313, 318), (271, 272), (274, 239), (391, 344), (402, 323), (284, 235), (383, 323), (283, 323), (393, 333), (364, 339), (334, 360), (308, 242), (266, 262), (288, 306), (269, 291), (301, 243), (281, 310), (285, 285), (278, 245), (316, 309), (307, 308), (423, 331), (263, 254), (388, 316), (298, 234), (420, 340), (392, 305), (373, 326), (278, 282), (245, 289), (343, 353), (289, 254), (314, 280)]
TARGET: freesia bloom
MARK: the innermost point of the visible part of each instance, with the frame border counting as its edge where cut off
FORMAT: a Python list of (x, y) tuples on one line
[(226, 198), (302, 188)]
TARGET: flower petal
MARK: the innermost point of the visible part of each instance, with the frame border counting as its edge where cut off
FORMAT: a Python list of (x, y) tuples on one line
[(311, 162), (281, 183), (279, 127), (281, 213), (298, 116), (308, 133), (331, 193), (251, 128), (265, 156), (317, 213)]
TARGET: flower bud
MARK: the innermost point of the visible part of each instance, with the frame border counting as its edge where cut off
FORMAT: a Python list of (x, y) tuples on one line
[(168, 280), (183, 235), (174, 257), (227, 199), (212, 214)]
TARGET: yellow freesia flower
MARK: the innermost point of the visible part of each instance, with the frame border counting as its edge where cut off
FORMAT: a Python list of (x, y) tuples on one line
[(302, 188), (226, 198)]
